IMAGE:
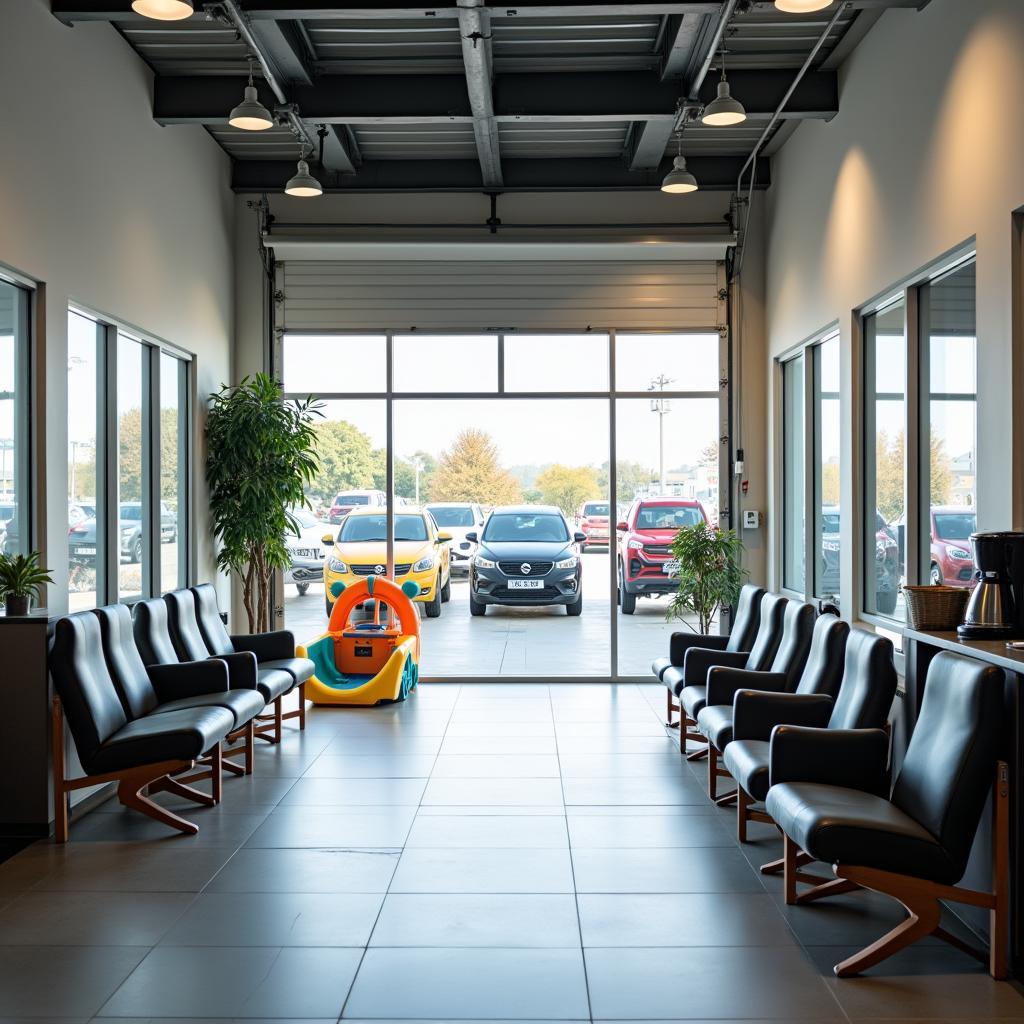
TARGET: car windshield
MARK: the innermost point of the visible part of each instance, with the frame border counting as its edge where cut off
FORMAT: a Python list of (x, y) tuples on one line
[(352, 499), (526, 527), (667, 517), (304, 518), (596, 508), (132, 512), (830, 523), (449, 516), (955, 525), (363, 529)]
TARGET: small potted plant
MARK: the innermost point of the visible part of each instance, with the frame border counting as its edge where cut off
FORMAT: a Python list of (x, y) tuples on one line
[(709, 572), (21, 576)]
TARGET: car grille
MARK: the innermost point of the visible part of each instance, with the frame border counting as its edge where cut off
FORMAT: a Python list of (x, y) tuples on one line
[(516, 569), (370, 570), (526, 596), (657, 549)]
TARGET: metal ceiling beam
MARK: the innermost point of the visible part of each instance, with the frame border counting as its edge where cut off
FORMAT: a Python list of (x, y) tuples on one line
[(684, 32), (715, 173), (475, 30)]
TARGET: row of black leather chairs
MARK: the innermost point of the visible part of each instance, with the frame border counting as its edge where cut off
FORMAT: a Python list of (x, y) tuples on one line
[(796, 706), (159, 696)]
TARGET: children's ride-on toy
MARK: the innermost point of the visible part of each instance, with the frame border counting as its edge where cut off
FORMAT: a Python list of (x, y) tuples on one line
[(372, 661)]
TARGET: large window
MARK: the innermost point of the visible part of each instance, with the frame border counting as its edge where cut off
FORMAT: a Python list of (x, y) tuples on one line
[(793, 473), (15, 513), (827, 515), (174, 493)]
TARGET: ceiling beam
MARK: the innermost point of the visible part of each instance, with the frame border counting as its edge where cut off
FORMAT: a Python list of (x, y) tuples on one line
[(715, 173), (475, 30), (684, 32), (546, 96)]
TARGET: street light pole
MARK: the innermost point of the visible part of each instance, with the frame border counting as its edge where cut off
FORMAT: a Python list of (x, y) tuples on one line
[(662, 406), (418, 466)]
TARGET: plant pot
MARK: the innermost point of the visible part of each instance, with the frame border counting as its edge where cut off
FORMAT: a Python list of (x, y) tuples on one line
[(18, 604)]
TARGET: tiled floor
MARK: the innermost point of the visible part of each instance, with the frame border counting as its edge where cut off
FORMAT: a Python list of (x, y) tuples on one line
[(479, 853)]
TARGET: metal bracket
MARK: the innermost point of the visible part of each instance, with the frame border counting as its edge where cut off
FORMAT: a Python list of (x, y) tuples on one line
[(279, 297)]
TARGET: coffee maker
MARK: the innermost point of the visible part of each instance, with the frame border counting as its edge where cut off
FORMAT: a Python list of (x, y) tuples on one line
[(996, 608)]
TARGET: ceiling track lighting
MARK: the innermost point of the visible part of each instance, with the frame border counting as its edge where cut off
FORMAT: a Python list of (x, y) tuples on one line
[(802, 6), (302, 183), (250, 115), (164, 10), (679, 180), (723, 109)]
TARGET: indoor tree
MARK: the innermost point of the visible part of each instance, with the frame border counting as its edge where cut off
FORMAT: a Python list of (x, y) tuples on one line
[(261, 457), (710, 573)]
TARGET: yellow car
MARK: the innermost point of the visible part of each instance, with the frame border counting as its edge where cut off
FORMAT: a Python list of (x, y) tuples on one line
[(421, 554)]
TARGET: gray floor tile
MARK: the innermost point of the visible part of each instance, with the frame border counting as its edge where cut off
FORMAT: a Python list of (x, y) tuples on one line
[(492, 810), (647, 831), (371, 766), (507, 831), (263, 871), (483, 871), (631, 792), (488, 744), (493, 791), (232, 982), (666, 869), (382, 746), (496, 766), (127, 826), (322, 827), (316, 792), (521, 984), (622, 766)]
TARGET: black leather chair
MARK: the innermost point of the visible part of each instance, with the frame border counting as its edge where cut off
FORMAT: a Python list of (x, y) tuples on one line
[(800, 627), (689, 681), (849, 683), (145, 644), (829, 795), (149, 750)]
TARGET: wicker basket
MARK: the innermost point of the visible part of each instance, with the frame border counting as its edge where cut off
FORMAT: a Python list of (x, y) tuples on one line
[(936, 607)]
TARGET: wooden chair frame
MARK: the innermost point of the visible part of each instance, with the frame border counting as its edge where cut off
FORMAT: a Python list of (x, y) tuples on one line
[(716, 772), (687, 730), (160, 776), (919, 897), (269, 727)]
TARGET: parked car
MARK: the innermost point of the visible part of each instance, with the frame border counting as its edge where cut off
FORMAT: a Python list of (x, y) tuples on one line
[(952, 561), (459, 519), (645, 535), (830, 521), (888, 562), (8, 507), (527, 555), (82, 535), (306, 550), (348, 500), (421, 554), (595, 523)]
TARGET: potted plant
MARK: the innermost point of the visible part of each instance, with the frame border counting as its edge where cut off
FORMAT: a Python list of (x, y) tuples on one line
[(21, 576), (709, 572)]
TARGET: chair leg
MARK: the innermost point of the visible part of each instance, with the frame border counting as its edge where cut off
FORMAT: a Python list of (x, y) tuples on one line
[(302, 706), (670, 708), (250, 745), (743, 802), (60, 794), (278, 720), (712, 771), (129, 792), (789, 855), (217, 767)]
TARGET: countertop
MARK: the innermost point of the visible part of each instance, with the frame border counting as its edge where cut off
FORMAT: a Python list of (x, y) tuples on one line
[(995, 652)]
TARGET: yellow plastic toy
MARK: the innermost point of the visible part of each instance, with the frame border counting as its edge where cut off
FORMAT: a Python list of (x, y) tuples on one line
[(366, 662)]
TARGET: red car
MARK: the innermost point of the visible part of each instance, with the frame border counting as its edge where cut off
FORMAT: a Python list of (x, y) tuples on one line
[(952, 561), (346, 501), (645, 546), (594, 522)]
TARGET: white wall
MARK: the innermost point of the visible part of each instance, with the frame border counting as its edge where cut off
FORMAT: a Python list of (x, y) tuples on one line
[(110, 210), (926, 152)]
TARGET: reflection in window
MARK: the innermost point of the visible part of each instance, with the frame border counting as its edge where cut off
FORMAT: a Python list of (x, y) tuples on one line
[(556, 362), (793, 467), (827, 424), (688, 362), (437, 363), (885, 480), (14, 477), (173, 460), (132, 467), (334, 363)]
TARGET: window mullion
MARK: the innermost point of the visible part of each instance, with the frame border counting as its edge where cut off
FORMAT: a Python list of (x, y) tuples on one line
[(913, 448), (108, 497), (152, 471)]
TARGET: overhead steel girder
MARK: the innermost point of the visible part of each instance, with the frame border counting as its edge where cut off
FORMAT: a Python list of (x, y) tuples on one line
[(475, 30), (549, 96), (715, 173)]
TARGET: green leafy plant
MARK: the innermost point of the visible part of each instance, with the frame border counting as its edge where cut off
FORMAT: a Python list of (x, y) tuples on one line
[(22, 576), (261, 457), (710, 573)]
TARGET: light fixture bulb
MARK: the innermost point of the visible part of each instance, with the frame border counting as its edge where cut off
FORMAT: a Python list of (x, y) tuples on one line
[(303, 183), (802, 6), (679, 179), (164, 10), (724, 109), (250, 115)]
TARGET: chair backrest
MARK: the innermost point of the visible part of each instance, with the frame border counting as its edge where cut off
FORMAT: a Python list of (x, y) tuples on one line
[(153, 632), (823, 672), (745, 622), (210, 623), (797, 629), (91, 702), (124, 662), (181, 613), (950, 761), (868, 683), (769, 633)]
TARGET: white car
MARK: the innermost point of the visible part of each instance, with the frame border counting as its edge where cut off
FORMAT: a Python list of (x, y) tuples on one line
[(458, 518), (307, 551)]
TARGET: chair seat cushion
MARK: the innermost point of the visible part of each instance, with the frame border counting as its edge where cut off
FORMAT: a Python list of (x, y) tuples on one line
[(748, 761), (672, 677), (181, 735), (849, 826), (659, 665), (273, 683), (715, 721), (300, 669), (244, 705), (693, 699)]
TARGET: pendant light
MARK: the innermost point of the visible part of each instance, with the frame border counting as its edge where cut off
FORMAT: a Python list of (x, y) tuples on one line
[(723, 109), (679, 179), (250, 115), (164, 10), (802, 6), (302, 183)]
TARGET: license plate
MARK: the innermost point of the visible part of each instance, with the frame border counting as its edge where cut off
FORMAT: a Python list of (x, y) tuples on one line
[(85, 551), (672, 567), (525, 584), (307, 553)]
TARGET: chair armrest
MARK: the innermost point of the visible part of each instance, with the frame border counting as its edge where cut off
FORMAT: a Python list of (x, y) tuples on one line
[(242, 669), (850, 758), (755, 713), (680, 643), (724, 682), (699, 660), (267, 646), (188, 679)]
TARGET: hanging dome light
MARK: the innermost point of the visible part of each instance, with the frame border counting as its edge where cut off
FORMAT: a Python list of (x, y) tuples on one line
[(250, 115), (679, 179), (164, 10), (723, 109), (302, 183), (802, 6)]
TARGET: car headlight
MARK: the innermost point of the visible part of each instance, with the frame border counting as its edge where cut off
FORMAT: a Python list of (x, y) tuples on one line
[(337, 565), (568, 563), (635, 545), (959, 553), (424, 564), (483, 563)]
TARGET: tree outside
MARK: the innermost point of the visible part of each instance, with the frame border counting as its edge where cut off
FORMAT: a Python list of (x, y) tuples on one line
[(630, 478), (346, 459), (471, 471), (568, 487), (890, 462), (129, 456)]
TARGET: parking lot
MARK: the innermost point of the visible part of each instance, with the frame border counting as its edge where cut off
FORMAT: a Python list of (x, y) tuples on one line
[(542, 642)]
